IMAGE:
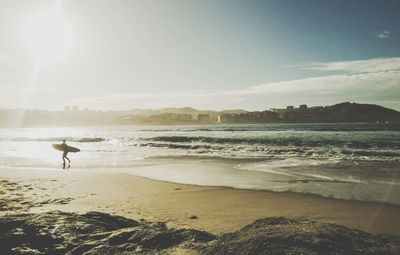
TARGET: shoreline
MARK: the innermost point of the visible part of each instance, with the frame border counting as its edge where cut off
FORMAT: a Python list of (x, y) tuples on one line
[(237, 174), (213, 209), (120, 171), (316, 196)]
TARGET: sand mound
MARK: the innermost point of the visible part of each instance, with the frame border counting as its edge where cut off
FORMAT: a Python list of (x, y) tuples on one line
[(90, 233), (99, 233), (285, 236)]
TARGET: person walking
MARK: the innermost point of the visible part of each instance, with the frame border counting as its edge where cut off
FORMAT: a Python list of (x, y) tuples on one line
[(65, 153)]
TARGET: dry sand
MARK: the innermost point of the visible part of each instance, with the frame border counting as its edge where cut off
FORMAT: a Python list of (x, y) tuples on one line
[(213, 209)]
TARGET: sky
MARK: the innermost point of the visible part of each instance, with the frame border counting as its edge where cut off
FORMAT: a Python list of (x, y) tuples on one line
[(207, 54)]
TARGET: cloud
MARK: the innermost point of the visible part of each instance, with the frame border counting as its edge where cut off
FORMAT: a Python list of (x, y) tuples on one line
[(384, 34), (372, 81), (358, 66)]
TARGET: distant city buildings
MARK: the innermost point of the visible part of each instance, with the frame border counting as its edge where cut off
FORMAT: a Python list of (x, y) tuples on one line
[(73, 108), (151, 116), (284, 111), (303, 107), (72, 116), (203, 118), (172, 117)]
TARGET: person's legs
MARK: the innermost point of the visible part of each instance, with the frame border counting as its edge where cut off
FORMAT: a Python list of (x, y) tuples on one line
[(69, 161), (64, 156)]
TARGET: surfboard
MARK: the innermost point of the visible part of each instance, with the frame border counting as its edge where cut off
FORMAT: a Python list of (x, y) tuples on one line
[(61, 147)]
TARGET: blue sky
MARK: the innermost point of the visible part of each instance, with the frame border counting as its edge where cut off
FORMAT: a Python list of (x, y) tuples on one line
[(209, 54)]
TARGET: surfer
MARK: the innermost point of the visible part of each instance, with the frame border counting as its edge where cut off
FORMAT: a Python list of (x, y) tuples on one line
[(64, 156), (65, 149)]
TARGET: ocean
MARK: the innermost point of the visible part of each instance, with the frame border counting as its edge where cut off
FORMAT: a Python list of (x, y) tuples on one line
[(346, 161)]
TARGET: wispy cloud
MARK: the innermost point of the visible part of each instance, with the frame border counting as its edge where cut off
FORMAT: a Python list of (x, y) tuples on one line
[(373, 81), (358, 66), (384, 34)]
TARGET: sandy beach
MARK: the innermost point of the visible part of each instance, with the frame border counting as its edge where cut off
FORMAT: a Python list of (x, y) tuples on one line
[(213, 209)]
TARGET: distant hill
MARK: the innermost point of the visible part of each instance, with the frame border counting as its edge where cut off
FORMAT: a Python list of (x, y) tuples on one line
[(343, 112), (362, 112)]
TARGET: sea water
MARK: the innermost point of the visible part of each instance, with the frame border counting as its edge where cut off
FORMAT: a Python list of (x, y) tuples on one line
[(348, 161)]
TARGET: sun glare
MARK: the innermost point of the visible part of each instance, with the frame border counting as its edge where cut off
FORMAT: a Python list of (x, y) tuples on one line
[(48, 36)]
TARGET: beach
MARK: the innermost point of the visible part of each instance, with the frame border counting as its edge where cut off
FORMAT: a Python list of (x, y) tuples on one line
[(213, 209)]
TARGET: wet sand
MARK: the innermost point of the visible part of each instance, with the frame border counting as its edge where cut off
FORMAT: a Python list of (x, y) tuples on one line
[(213, 209)]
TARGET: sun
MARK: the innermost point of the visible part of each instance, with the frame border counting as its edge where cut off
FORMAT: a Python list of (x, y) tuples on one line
[(48, 36)]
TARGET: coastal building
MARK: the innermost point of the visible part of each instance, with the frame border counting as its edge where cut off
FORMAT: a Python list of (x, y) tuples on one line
[(317, 107), (227, 118), (303, 107), (171, 117), (277, 110), (268, 116), (238, 118), (203, 118), (184, 117)]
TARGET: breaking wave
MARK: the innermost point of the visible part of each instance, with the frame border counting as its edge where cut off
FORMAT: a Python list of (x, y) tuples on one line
[(59, 139), (290, 141)]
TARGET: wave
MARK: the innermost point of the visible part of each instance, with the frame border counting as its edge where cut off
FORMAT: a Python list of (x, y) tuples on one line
[(91, 140), (271, 152), (290, 141), (372, 153), (292, 127), (178, 146), (59, 139)]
